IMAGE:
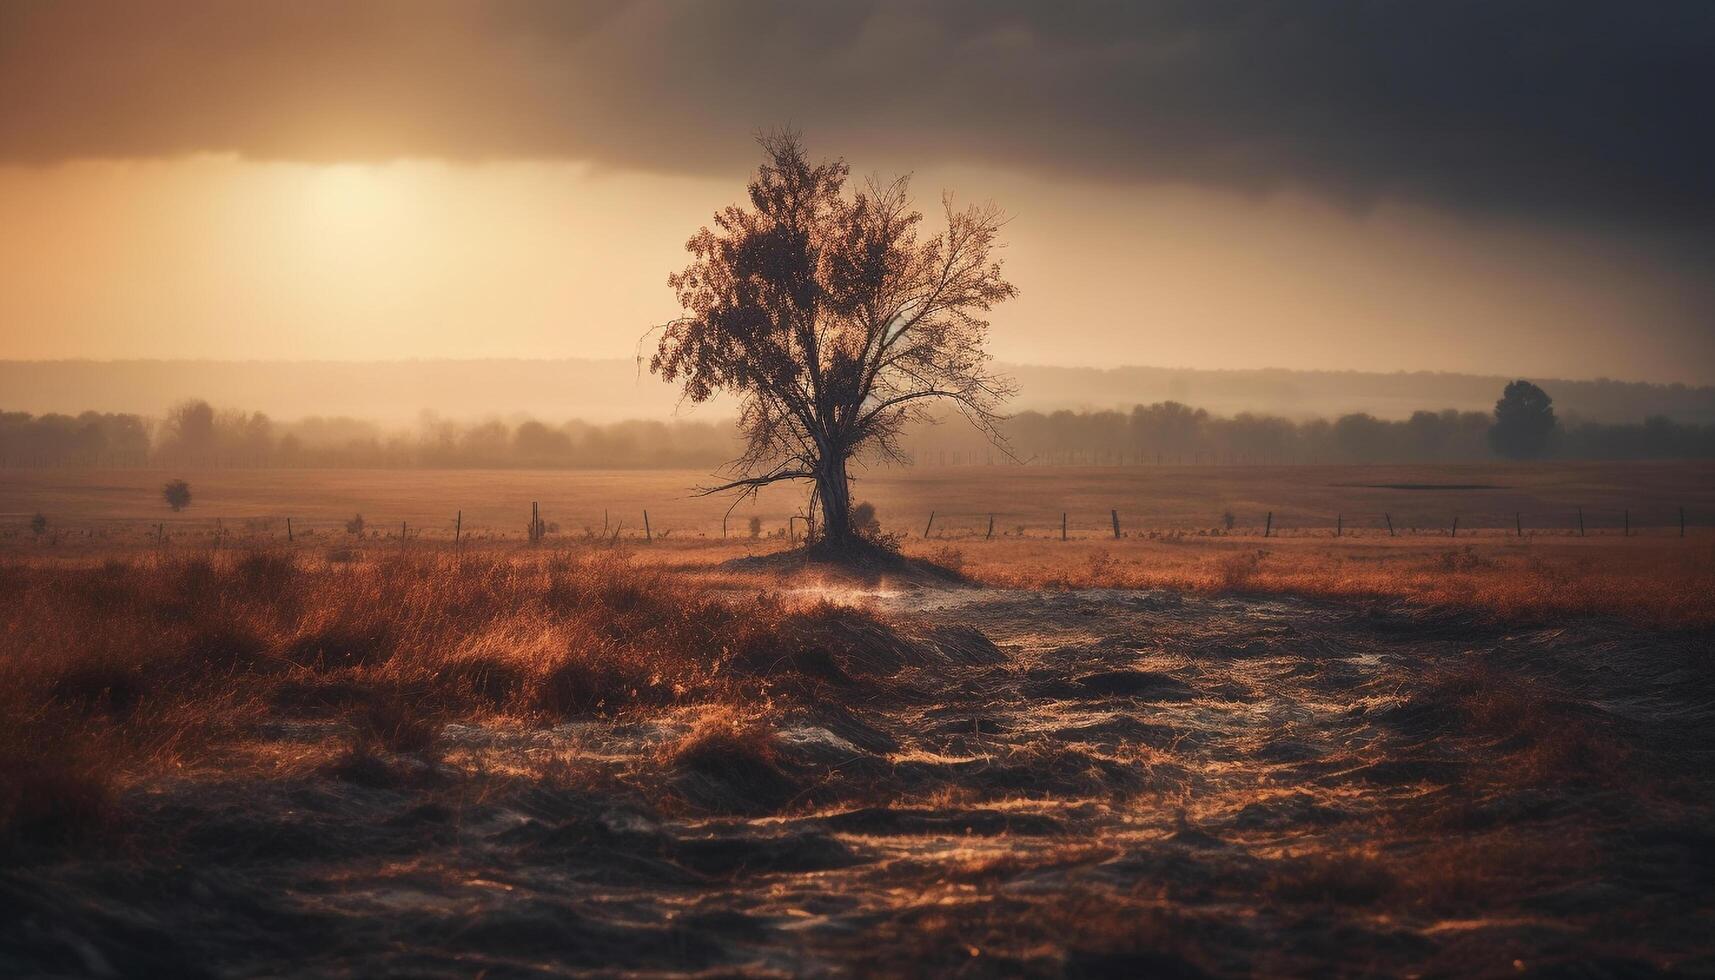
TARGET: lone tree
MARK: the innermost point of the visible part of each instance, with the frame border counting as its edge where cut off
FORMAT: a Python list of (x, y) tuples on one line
[(177, 494), (1524, 421), (834, 323)]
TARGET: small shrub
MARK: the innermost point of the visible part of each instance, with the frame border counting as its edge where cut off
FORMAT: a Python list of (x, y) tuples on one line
[(354, 527), (864, 521), (177, 494), (867, 527), (756, 527)]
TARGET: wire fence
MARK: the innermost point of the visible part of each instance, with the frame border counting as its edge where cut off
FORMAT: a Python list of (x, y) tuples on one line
[(537, 528), (1119, 525)]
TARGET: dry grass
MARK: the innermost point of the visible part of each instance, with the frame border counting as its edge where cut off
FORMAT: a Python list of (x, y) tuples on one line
[(652, 725), (1653, 582), (1171, 518), (119, 671)]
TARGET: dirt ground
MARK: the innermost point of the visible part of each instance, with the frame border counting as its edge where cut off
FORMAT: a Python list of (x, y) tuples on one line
[(1056, 782)]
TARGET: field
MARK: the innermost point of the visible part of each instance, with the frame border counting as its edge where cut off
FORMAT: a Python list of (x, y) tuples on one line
[(1517, 548), (1188, 751), (1025, 500)]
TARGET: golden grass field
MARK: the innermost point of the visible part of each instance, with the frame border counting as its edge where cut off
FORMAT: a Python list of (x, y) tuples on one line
[(1171, 523), (1188, 751), (519, 762)]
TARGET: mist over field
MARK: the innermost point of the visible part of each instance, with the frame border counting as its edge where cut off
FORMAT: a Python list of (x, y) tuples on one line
[(614, 389)]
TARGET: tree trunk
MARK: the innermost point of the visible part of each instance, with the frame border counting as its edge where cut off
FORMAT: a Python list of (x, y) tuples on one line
[(834, 492)]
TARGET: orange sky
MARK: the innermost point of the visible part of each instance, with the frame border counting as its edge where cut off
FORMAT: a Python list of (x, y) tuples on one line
[(212, 256), (1524, 189)]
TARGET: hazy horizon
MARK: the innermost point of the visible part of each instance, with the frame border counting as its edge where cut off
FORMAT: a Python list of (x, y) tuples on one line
[(613, 389), (277, 180)]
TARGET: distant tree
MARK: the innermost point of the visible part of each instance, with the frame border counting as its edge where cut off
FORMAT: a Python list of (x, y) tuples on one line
[(756, 527), (1363, 438), (177, 494), (190, 427), (39, 524), (251, 435), (354, 527), (1524, 421), (534, 442), (1167, 427), (834, 324)]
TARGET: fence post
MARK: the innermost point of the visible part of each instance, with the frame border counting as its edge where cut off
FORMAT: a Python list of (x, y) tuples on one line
[(990, 536), (1580, 522), (1518, 525), (1389, 519), (1455, 525), (648, 535), (1339, 525), (1062, 525), (1268, 527), (1116, 516), (458, 528), (930, 524), (288, 530)]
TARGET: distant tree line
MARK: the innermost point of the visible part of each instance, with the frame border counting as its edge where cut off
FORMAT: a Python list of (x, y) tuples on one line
[(89, 439), (1172, 433), (194, 434)]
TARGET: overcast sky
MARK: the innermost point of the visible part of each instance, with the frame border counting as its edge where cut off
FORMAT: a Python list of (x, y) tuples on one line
[(1516, 187)]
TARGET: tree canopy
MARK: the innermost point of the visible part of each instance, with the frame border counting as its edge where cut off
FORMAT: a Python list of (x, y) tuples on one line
[(834, 322), (1524, 421)]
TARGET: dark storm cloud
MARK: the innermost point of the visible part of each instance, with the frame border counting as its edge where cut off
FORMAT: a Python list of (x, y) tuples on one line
[(1592, 112)]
